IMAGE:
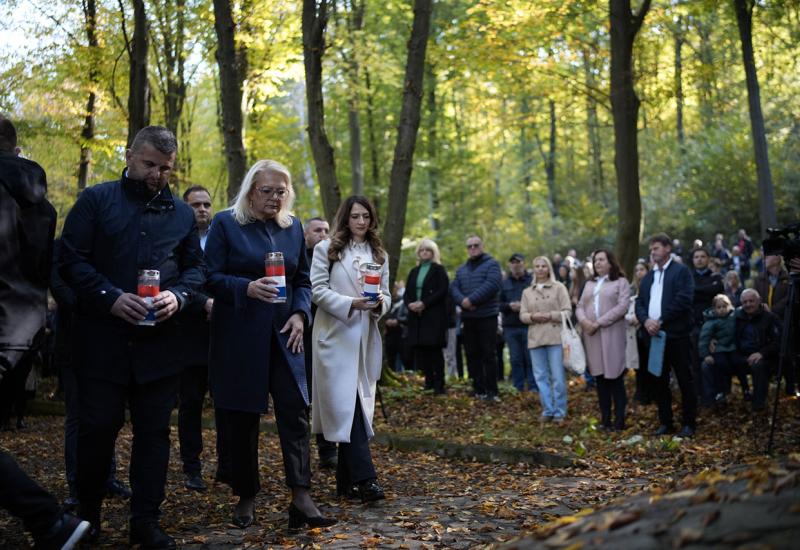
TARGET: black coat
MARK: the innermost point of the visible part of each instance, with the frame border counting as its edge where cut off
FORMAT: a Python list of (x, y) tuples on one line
[(767, 330), (706, 285), (27, 225), (430, 328), (114, 230), (676, 300)]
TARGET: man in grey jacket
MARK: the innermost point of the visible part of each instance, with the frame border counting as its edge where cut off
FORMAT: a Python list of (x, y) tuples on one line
[(476, 288)]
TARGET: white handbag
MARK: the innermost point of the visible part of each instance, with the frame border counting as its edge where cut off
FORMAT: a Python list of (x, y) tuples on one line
[(631, 347), (574, 356)]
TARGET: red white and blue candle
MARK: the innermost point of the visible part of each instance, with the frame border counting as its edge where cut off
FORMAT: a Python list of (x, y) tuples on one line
[(372, 281), (148, 288), (274, 269)]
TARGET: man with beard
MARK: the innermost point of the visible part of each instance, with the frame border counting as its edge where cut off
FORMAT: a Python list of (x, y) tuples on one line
[(114, 231)]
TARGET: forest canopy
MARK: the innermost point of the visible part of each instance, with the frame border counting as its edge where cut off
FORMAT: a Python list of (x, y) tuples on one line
[(516, 131)]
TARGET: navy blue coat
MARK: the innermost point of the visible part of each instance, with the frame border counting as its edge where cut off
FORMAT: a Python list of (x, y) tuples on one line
[(114, 230), (242, 328), (511, 291), (677, 317), (479, 280)]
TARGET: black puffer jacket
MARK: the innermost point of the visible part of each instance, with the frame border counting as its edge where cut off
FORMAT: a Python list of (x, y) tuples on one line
[(27, 226)]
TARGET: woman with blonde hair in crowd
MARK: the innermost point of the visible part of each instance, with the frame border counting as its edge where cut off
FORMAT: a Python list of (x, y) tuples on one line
[(541, 307), (601, 313), (426, 293)]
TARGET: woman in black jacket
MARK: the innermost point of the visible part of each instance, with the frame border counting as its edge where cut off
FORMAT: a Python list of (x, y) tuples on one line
[(425, 296)]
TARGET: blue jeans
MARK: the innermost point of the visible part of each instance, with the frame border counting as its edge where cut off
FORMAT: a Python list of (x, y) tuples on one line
[(548, 369), (521, 369)]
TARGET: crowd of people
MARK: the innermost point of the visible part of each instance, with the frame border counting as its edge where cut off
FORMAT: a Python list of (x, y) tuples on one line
[(308, 334), (709, 319)]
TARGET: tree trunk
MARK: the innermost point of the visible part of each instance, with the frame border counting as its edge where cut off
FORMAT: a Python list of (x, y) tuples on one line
[(355, 22), (373, 143), (232, 62), (407, 133), (171, 19), (550, 162), (707, 79), (139, 85), (315, 19), (766, 194), (625, 109), (593, 129), (87, 133), (526, 159), (679, 39), (433, 145)]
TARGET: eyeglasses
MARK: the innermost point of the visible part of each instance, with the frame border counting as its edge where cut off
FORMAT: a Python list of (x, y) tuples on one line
[(474, 245), (270, 192)]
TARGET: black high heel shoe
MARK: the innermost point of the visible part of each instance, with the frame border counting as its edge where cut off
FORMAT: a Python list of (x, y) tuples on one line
[(244, 521), (368, 491), (298, 518)]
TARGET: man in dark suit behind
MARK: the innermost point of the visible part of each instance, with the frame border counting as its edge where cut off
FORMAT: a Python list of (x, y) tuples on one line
[(665, 304)]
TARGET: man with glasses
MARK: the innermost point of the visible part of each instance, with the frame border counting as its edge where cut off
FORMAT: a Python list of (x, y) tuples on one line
[(476, 289)]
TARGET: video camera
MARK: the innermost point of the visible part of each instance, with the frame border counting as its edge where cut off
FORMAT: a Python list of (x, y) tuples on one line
[(783, 241)]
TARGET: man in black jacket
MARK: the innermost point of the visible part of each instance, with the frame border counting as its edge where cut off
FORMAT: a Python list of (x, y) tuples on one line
[(664, 304), (707, 284), (514, 331), (757, 344), (194, 378), (315, 231), (115, 230), (27, 226)]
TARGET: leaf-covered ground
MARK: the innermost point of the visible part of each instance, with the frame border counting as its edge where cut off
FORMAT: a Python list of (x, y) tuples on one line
[(436, 502)]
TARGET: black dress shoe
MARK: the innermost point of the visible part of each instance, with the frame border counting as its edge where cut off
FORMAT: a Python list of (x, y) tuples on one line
[(244, 521), (92, 515), (686, 431), (328, 462), (71, 503), (663, 429), (149, 534), (195, 483), (116, 488), (369, 491), (298, 518), (65, 534)]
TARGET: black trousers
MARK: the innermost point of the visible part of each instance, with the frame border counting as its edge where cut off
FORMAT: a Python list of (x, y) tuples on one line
[(291, 416), (325, 448), (13, 398), (193, 386), (645, 382), (612, 390), (25, 498), (460, 355), (431, 359), (102, 414), (223, 474), (677, 356), (355, 459), (71, 423), (696, 364), (480, 341)]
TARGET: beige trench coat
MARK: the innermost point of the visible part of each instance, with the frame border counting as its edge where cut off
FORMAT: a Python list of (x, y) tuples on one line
[(552, 299), (348, 350)]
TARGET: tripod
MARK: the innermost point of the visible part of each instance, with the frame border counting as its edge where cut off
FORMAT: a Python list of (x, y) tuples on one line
[(787, 350)]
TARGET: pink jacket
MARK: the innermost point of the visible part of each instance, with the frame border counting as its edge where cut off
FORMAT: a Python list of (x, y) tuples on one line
[(605, 349)]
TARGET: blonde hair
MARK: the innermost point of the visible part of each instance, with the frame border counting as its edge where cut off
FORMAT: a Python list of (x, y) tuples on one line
[(546, 260), (425, 242), (242, 208), (722, 298)]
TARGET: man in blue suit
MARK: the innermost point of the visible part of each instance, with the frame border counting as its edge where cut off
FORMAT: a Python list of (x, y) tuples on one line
[(665, 304)]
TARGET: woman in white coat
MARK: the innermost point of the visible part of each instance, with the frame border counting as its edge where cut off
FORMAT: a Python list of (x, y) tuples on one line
[(347, 352)]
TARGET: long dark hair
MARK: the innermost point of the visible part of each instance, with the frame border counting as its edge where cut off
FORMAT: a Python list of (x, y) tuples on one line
[(342, 235), (615, 271)]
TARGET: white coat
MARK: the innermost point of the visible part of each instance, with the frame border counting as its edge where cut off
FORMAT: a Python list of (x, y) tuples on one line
[(347, 347)]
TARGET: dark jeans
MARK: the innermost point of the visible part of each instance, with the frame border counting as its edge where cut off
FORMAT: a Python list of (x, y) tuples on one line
[(761, 372), (355, 459), (291, 416), (608, 390), (102, 414), (25, 498), (431, 360), (480, 339), (71, 422), (677, 356), (521, 368), (193, 386), (717, 376), (460, 355)]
